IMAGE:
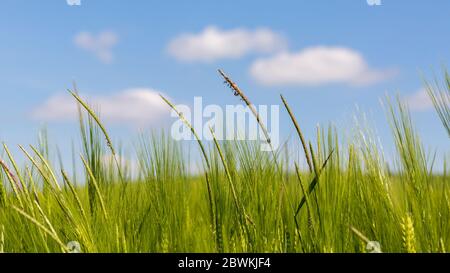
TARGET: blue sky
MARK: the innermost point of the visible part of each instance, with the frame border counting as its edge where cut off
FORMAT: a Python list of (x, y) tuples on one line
[(117, 50)]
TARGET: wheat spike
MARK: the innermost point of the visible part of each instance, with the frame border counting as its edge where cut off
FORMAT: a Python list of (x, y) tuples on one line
[(409, 239)]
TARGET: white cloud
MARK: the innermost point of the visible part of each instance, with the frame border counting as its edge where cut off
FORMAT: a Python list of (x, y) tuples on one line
[(100, 45), (213, 44), (419, 101), (315, 66), (131, 165), (139, 107)]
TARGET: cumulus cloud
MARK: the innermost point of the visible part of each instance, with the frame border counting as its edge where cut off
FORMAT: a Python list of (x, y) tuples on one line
[(139, 107), (315, 66), (213, 44), (419, 101), (100, 45), (129, 164)]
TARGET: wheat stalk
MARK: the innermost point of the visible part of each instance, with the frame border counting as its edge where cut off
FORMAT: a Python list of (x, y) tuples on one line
[(10, 174), (238, 92), (299, 132), (102, 128)]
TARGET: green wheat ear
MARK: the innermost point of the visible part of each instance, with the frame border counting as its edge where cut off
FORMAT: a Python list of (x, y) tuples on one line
[(442, 246), (408, 236)]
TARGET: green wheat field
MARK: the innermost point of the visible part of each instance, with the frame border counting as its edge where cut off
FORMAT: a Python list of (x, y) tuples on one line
[(340, 198)]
